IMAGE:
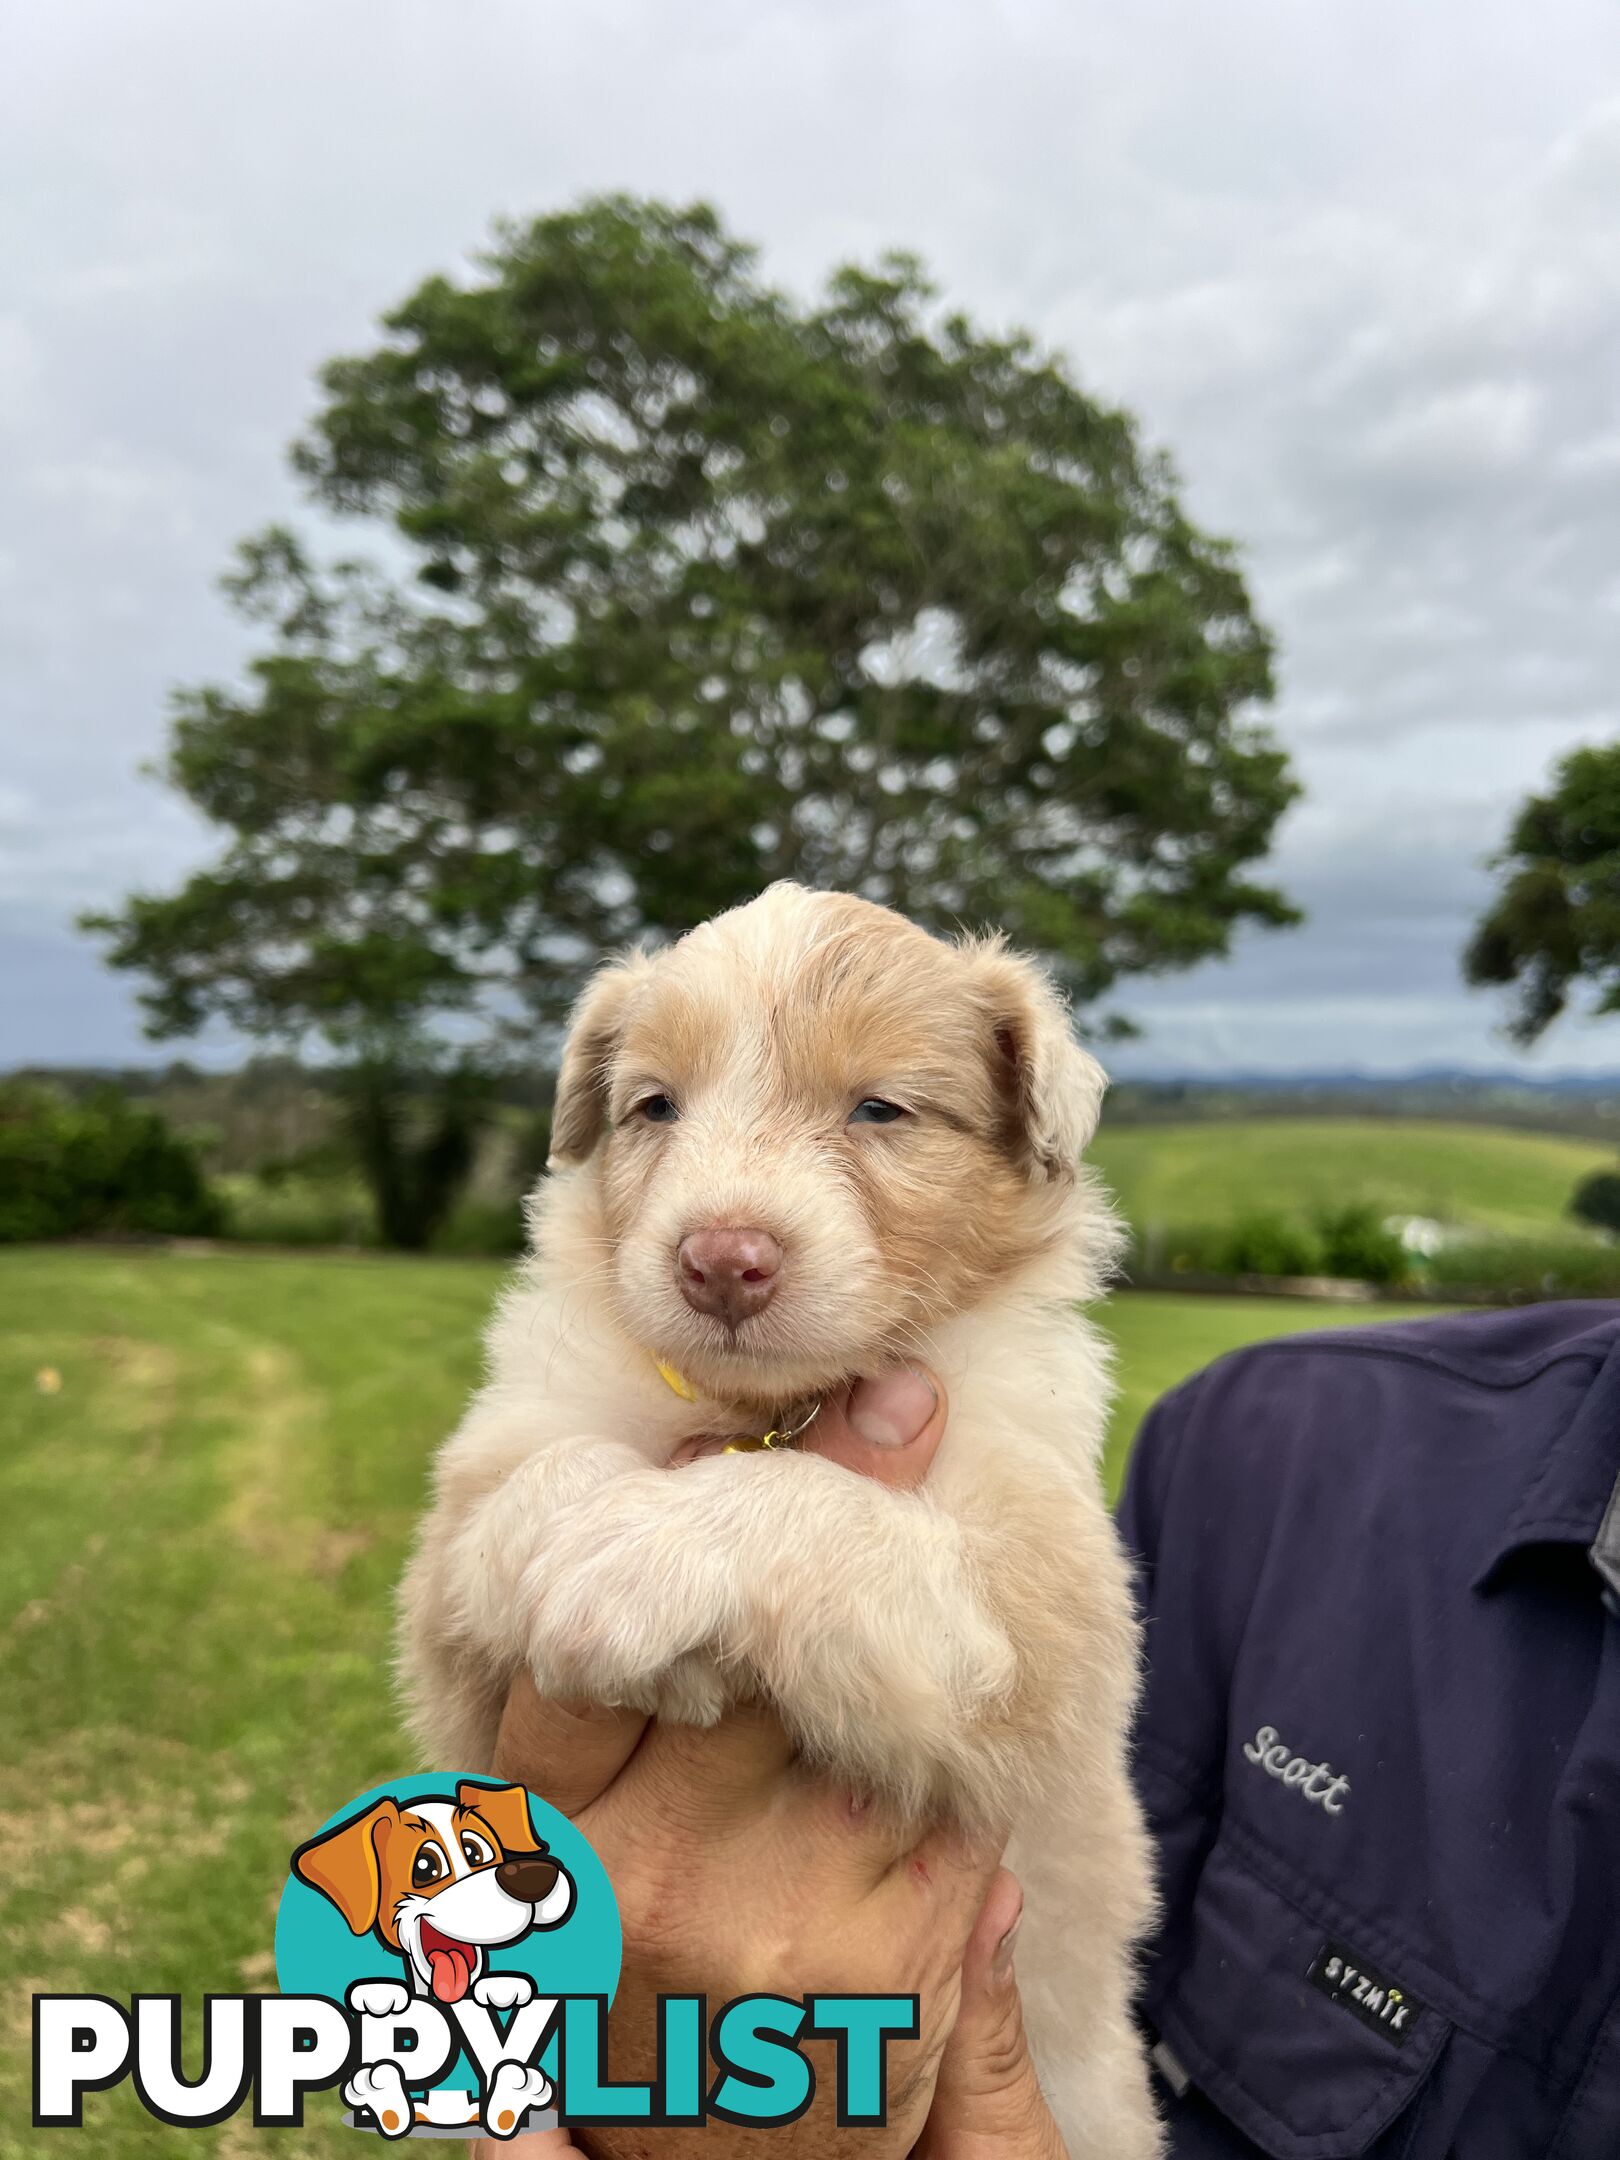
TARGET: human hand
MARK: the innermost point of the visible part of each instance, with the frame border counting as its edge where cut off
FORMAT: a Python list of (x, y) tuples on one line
[(887, 1428), (738, 1873), (988, 2103)]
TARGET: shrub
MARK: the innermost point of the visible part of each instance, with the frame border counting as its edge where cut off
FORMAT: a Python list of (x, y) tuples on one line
[(1358, 1245), (1350, 1242), (1596, 1200), (69, 1169), (1552, 1267), (1266, 1245), (1251, 1245), (482, 1227), (284, 1206)]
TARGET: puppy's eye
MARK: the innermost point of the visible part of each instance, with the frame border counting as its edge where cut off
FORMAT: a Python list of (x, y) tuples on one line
[(657, 1110), (427, 1867), (875, 1111), (476, 1852)]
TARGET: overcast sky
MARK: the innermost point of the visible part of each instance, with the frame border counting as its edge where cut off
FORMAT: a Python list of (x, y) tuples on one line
[(1354, 263)]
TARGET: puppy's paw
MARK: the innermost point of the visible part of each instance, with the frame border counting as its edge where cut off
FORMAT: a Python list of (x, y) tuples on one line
[(513, 2090), (610, 1618), (577, 1659), (503, 1990), (379, 2089), (892, 1682), (691, 1691), (378, 1998)]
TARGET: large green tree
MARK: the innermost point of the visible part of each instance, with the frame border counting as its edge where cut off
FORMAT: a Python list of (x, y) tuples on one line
[(694, 586), (1553, 927)]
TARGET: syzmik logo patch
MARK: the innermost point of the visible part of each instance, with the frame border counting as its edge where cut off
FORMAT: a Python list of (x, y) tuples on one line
[(1352, 1983), (447, 1951)]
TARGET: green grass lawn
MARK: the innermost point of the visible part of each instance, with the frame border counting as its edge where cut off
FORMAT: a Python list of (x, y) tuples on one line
[(1477, 1176), (204, 1524)]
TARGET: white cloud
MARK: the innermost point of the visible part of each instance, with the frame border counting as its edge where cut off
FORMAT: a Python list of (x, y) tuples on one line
[(1353, 263)]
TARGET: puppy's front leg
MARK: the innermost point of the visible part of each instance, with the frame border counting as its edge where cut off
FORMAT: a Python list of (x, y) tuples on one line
[(462, 1633), (851, 1605)]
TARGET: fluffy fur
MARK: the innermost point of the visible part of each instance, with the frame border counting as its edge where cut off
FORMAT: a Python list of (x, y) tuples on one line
[(970, 1648)]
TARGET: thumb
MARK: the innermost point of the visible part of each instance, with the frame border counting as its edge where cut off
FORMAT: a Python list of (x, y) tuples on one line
[(887, 1427), (568, 1753), (987, 2104)]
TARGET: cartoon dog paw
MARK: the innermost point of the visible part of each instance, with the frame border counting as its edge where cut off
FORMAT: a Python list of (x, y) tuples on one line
[(378, 1998), (379, 2088), (503, 1991), (513, 2090)]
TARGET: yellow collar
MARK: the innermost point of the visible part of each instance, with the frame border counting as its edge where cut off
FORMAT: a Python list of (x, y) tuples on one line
[(678, 1384), (675, 1381)]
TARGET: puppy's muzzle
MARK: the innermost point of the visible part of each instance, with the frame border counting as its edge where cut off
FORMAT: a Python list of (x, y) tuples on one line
[(529, 1877), (728, 1274)]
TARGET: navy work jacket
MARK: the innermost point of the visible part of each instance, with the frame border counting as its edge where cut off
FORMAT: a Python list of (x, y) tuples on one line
[(1380, 1744)]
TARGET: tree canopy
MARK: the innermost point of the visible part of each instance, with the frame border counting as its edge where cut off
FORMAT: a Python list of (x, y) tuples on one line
[(1554, 925), (691, 586)]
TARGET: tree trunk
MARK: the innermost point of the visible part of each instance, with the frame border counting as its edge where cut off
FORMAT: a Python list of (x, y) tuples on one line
[(414, 1155)]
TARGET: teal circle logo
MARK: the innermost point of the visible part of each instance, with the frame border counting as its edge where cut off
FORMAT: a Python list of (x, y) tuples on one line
[(440, 1906)]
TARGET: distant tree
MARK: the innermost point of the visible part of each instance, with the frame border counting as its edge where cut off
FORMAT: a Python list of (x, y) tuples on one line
[(1596, 1200), (1554, 925), (710, 588)]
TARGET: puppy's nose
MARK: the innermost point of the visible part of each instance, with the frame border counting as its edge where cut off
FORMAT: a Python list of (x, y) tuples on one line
[(530, 1877), (730, 1274)]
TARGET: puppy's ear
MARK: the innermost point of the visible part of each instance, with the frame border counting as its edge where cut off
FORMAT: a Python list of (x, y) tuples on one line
[(506, 1810), (344, 1865), (1053, 1089), (594, 1028)]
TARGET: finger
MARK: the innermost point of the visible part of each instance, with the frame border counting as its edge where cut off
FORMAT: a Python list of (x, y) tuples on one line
[(960, 1865), (703, 1778), (568, 1753), (932, 1895), (849, 1840), (987, 2102), (887, 1427)]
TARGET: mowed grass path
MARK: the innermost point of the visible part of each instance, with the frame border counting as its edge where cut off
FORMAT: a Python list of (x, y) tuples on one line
[(1477, 1176), (203, 1527)]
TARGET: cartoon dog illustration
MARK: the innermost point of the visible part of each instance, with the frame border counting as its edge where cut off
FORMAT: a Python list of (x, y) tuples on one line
[(439, 1882)]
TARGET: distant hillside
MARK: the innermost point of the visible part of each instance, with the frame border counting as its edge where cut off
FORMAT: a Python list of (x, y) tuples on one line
[(1582, 1103), (1470, 1175)]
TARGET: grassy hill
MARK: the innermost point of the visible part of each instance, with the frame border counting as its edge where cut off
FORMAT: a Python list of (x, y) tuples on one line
[(1475, 1176), (209, 1469)]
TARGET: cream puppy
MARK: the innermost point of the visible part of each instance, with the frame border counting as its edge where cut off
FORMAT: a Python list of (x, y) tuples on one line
[(806, 1142)]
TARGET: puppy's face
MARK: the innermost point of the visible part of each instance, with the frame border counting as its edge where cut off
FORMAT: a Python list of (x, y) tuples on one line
[(817, 1130)]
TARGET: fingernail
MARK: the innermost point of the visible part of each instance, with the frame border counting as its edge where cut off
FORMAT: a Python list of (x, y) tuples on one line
[(892, 1409), (1001, 1964)]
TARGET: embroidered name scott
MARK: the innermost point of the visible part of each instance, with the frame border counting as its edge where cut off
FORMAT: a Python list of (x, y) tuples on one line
[(1317, 1782)]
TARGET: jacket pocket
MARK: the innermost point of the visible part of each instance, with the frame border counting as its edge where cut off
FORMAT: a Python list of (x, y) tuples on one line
[(1309, 2069)]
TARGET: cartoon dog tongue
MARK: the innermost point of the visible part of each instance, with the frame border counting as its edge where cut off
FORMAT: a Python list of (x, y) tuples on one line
[(450, 1964)]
